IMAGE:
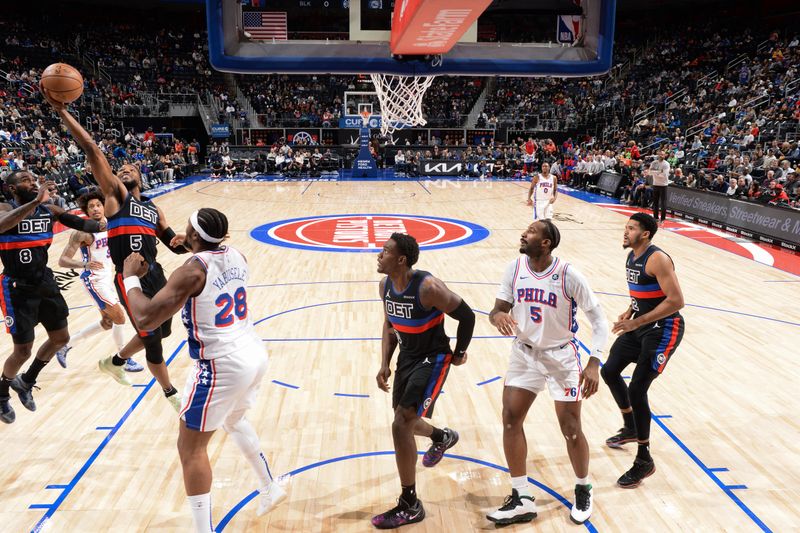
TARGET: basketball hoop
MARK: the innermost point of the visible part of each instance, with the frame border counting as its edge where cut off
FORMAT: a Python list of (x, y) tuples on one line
[(401, 100)]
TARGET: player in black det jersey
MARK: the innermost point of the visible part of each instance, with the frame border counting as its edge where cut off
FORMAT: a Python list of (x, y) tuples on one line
[(650, 331), (134, 225), (29, 294), (414, 305)]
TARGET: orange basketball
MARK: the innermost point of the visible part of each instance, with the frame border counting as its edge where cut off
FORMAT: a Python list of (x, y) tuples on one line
[(63, 82)]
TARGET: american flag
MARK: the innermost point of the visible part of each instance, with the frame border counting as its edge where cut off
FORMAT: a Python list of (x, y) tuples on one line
[(265, 24)]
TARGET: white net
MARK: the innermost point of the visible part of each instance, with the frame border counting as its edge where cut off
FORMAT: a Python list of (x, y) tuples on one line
[(401, 100)]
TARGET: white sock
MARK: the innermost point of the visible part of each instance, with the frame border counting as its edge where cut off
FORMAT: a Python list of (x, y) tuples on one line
[(246, 439), (521, 484), (200, 506), (118, 332), (582, 480), (88, 331)]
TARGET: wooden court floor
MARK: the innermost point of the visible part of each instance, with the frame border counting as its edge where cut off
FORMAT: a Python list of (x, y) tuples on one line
[(97, 456)]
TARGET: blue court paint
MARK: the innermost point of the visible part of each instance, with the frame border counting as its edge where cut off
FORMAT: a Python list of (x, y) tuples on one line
[(662, 416), (56, 487), (51, 509), (40, 506), (424, 187), (626, 377), (310, 183), (80, 307), (718, 469), (321, 339), (266, 233), (238, 507), (139, 385), (490, 380), (287, 385), (346, 395), (104, 428), (313, 305), (735, 487), (708, 471)]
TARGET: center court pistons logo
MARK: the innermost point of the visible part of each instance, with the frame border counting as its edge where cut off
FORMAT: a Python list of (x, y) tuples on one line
[(367, 233)]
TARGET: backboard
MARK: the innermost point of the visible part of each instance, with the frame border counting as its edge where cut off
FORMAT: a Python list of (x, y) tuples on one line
[(511, 38)]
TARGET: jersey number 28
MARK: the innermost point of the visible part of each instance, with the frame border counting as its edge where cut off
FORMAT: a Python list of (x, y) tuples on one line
[(236, 305)]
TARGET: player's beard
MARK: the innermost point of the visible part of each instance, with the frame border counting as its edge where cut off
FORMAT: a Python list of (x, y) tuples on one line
[(130, 185), (27, 195)]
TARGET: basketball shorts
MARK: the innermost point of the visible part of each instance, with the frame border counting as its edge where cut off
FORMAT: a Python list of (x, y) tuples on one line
[(418, 382), (26, 303), (101, 289), (652, 344), (152, 282), (559, 369), (223, 388), (542, 210)]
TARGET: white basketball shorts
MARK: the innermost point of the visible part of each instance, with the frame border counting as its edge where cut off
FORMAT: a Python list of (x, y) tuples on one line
[(559, 369)]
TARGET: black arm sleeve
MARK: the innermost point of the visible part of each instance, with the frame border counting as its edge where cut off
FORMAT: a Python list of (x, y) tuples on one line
[(166, 236), (78, 223), (466, 324)]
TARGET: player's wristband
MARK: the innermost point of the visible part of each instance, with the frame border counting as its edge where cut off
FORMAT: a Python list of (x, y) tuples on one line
[(131, 282)]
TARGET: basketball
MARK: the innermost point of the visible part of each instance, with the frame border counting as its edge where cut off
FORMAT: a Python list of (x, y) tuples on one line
[(63, 82)]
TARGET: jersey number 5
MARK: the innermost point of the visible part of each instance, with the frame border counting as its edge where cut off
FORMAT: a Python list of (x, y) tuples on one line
[(136, 242), (536, 314), (236, 305)]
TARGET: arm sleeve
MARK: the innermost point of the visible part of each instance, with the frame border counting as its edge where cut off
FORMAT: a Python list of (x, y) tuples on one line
[(506, 290), (466, 325), (78, 223), (578, 288), (166, 236)]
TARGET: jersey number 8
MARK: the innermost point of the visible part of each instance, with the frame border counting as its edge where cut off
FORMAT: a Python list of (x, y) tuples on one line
[(237, 304), (25, 256)]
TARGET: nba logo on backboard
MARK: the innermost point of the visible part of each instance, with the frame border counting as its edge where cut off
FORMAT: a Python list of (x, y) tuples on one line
[(569, 29)]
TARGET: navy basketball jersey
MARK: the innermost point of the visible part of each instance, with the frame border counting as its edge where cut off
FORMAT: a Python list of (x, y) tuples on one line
[(133, 229), (23, 248), (644, 289), (420, 331)]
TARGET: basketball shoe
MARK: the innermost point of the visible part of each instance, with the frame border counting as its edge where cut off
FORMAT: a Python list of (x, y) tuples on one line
[(437, 449), (132, 366), (640, 470), (25, 392), (117, 372), (516, 509), (582, 509), (273, 494), (61, 355), (400, 515), (7, 413), (623, 436)]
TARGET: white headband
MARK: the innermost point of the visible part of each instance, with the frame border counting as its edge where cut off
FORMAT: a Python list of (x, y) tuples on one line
[(205, 236)]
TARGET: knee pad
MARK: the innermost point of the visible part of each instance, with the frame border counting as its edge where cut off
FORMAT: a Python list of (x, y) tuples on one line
[(153, 351)]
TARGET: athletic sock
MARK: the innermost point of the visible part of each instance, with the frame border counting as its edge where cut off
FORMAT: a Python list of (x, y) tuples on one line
[(409, 495), (118, 333), (5, 383), (117, 360), (33, 371), (521, 485), (582, 480), (88, 331), (200, 506), (644, 452), (171, 391), (437, 435)]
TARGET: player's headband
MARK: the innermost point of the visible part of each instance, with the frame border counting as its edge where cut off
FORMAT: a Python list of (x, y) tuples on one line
[(205, 236)]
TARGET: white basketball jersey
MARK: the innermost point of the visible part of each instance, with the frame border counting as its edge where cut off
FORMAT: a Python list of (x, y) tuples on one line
[(218, 319), (98, 251), (543, 191), (545, 303)]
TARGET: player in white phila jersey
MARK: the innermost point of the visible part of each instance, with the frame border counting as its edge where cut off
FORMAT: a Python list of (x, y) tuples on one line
[(97, 278), (542, 193), (537, 302), (230, 359)]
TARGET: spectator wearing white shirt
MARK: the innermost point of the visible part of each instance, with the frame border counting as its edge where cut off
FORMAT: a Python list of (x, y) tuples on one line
[(659, 171)]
